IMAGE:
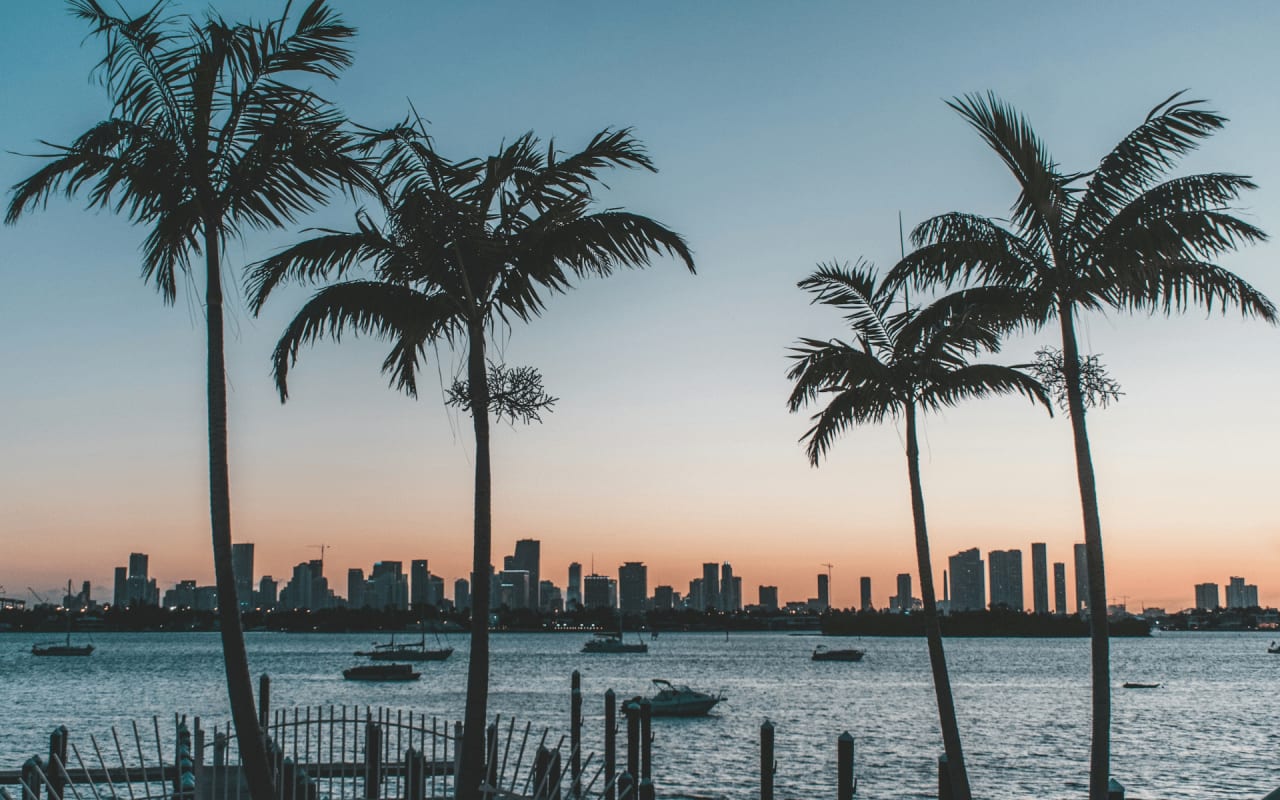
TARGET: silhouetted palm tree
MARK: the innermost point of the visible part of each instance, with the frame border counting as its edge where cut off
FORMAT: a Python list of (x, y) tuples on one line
[(900, 363), (465, 246), (1115, 237), (207, 138)]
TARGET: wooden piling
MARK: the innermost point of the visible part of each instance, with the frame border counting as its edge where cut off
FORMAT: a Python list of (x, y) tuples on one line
[(264, 701), (415, 777), (56, 767), (626, 786), (632, 710), (31, 780), (491, 754), (610, 744), (541, 773), (646, 750), (767, 763), (372, 759), (575, 735), (845, 783), (557, 775)]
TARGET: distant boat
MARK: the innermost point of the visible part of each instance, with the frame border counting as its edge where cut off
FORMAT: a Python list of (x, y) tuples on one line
[(613, 643), (823, 653), (681, 701), (1274, 649), (416, 651), (1132, 685), (381, 672), (66, 649)]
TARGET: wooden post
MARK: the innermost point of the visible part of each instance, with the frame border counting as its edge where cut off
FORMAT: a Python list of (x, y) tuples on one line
[(264, 701), (844, 767), (415, 777), (31, 781), (56, 771), (575, 734), (632, 710), (626, 786), (767, 765), (556, 775), (610, 744), (199, 753), (219, 749), (372, 759), (541, 768), (1114, 790), (944, 778), (491, 755), (646, 750)]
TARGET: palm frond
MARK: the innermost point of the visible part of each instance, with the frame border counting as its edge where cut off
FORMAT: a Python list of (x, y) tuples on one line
[(824, 365), (958, 248), (330, 255), (1176, 284), (597, 244), (853, 290), (863, 404), (974, 381)]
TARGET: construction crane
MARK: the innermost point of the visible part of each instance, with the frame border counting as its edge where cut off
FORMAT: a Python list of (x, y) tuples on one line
[(829, 567), (323, 548), (37, 596)]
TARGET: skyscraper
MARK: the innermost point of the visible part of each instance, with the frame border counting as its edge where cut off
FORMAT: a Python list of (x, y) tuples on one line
[(824, 591), (769, 597), (515, 589), (389, 586), (418, 581), (864, 584), (1006, 578), (904, 592), (462, 594), (596, 592), (633, 587), (355, 588), (710, 587), (1240, 594), (968, 584), (528, 557), (1059, 587), (1207, 596), (1039, 578), (1082, 578), (120, 598), (664, 598), (267, 593), (728, 602), (138, 565), (573, 592), (242, 568)]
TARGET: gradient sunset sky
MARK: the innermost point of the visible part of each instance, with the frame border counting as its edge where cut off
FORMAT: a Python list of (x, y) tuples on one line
[(786, 134)]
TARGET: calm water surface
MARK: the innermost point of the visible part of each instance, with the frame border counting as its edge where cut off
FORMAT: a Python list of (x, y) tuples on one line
[(1209, 731)]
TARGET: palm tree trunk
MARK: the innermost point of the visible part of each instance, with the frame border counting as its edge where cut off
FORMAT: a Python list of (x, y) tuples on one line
[(932, 628), (1100, 755), (477, 711), (252, 745)]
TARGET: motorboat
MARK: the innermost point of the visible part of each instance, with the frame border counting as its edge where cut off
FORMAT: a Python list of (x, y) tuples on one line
[(680, 701), (1274, 649), (824, 653), (1134, 685), (613, 643), (381, 672)]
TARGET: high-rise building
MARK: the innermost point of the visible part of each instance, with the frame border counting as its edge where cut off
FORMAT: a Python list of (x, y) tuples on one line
[(268, 590), (573, 592), (1006, 578), (388, 586), (968, 583), (1240, 594), (308, 588), (140, 590), (120, 598), (435, 590), (902, 601), (528, 557), (769, 597), (737, 593), (824, 591), (242, 568), (633, 587), (596, 592), (710, 587), (1082, 577), (515, 589), (695, 599), (864, 590), (664, 598), (1039, 578), (1059, 587), (355, 588), (138, 565), (419, 573), (1207, 596), (462, 594)]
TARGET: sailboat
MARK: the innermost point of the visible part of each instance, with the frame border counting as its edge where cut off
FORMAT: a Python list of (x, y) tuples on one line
[(613, 643), (67, 649), (414, 651)]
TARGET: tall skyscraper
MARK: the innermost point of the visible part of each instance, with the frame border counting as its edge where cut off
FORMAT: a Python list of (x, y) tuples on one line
[(1240, 594), (1039, 578), (573, 592), (515, 589), (824, 591), (904, 592), (1207, 596), (864, 586), (695, 599), (1006, 578), (388, 586), (663, 598), (769, 597), (268, 590), (355, 588), (633, 587), (528, 557), (710, 587), (120, 598), (462, 594), (1082, 577), (1059, 587), (968, 583), (419, 582), (242, 568), (138, 565), (435, 590), (728, 602), (596, 592)]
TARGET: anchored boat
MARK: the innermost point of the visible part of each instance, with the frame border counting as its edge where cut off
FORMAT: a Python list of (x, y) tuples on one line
[(823, 653), (681, 701), (381, 672)]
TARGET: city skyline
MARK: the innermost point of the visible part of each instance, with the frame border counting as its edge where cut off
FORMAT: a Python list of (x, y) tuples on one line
[(104, 432)]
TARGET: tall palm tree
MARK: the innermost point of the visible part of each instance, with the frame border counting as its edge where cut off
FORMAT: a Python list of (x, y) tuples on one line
[(1117, 237), (903, 362), (206, 138), (464, 247)]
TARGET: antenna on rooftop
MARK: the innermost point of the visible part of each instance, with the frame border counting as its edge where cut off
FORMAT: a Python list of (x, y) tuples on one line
[(323, 547)]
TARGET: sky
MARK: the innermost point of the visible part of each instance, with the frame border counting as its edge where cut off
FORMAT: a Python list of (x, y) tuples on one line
[(786, 135)]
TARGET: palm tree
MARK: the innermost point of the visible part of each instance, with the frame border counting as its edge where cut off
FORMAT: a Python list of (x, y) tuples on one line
[(207, 138), (903, 362), (1116, 237), (464, 247)]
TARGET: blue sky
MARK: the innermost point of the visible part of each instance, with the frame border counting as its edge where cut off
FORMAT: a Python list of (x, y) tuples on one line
[(786, 134)]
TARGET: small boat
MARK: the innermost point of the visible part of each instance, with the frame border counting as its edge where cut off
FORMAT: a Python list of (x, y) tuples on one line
[(1274, 649), (381, 672), (680, 701), (823, 653), (1132, 685), (613, 643), (415, 651), (66, 649)]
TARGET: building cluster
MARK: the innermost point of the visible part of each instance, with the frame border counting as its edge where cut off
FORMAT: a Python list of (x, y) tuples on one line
[(967, 580), (1239, 595)]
